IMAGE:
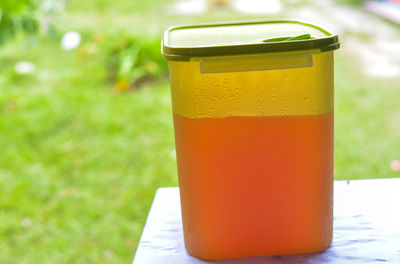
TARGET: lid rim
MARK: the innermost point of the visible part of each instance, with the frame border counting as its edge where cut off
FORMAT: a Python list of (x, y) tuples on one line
[(330, 42)]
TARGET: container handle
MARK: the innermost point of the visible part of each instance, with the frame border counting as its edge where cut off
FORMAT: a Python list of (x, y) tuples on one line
[(256, 62), (299, 37)]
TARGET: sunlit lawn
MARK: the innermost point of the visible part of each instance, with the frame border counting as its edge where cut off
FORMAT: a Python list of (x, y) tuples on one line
[(79, 163)]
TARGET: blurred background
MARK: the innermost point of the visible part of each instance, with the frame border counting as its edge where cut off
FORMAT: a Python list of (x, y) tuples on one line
[(86, 133)]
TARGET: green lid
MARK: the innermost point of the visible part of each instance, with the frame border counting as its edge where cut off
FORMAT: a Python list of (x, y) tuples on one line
[(185, 42)]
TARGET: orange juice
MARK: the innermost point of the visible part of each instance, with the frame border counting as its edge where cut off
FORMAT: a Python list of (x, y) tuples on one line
[(255, 185)]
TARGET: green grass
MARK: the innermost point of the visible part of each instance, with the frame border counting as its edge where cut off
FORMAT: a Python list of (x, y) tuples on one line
[(82, 166), (351, 2), (367, 123), (79, 163)]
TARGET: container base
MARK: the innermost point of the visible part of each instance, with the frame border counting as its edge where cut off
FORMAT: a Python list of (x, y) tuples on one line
[(260, 254)]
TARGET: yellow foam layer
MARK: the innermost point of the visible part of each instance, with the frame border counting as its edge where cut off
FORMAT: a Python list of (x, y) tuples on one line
[(273, 92)]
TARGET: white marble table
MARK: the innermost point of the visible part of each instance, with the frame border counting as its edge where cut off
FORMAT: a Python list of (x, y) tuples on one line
[(366, 229)]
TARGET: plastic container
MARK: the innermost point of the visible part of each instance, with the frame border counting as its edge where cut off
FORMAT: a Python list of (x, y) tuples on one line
[(253, 116)]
